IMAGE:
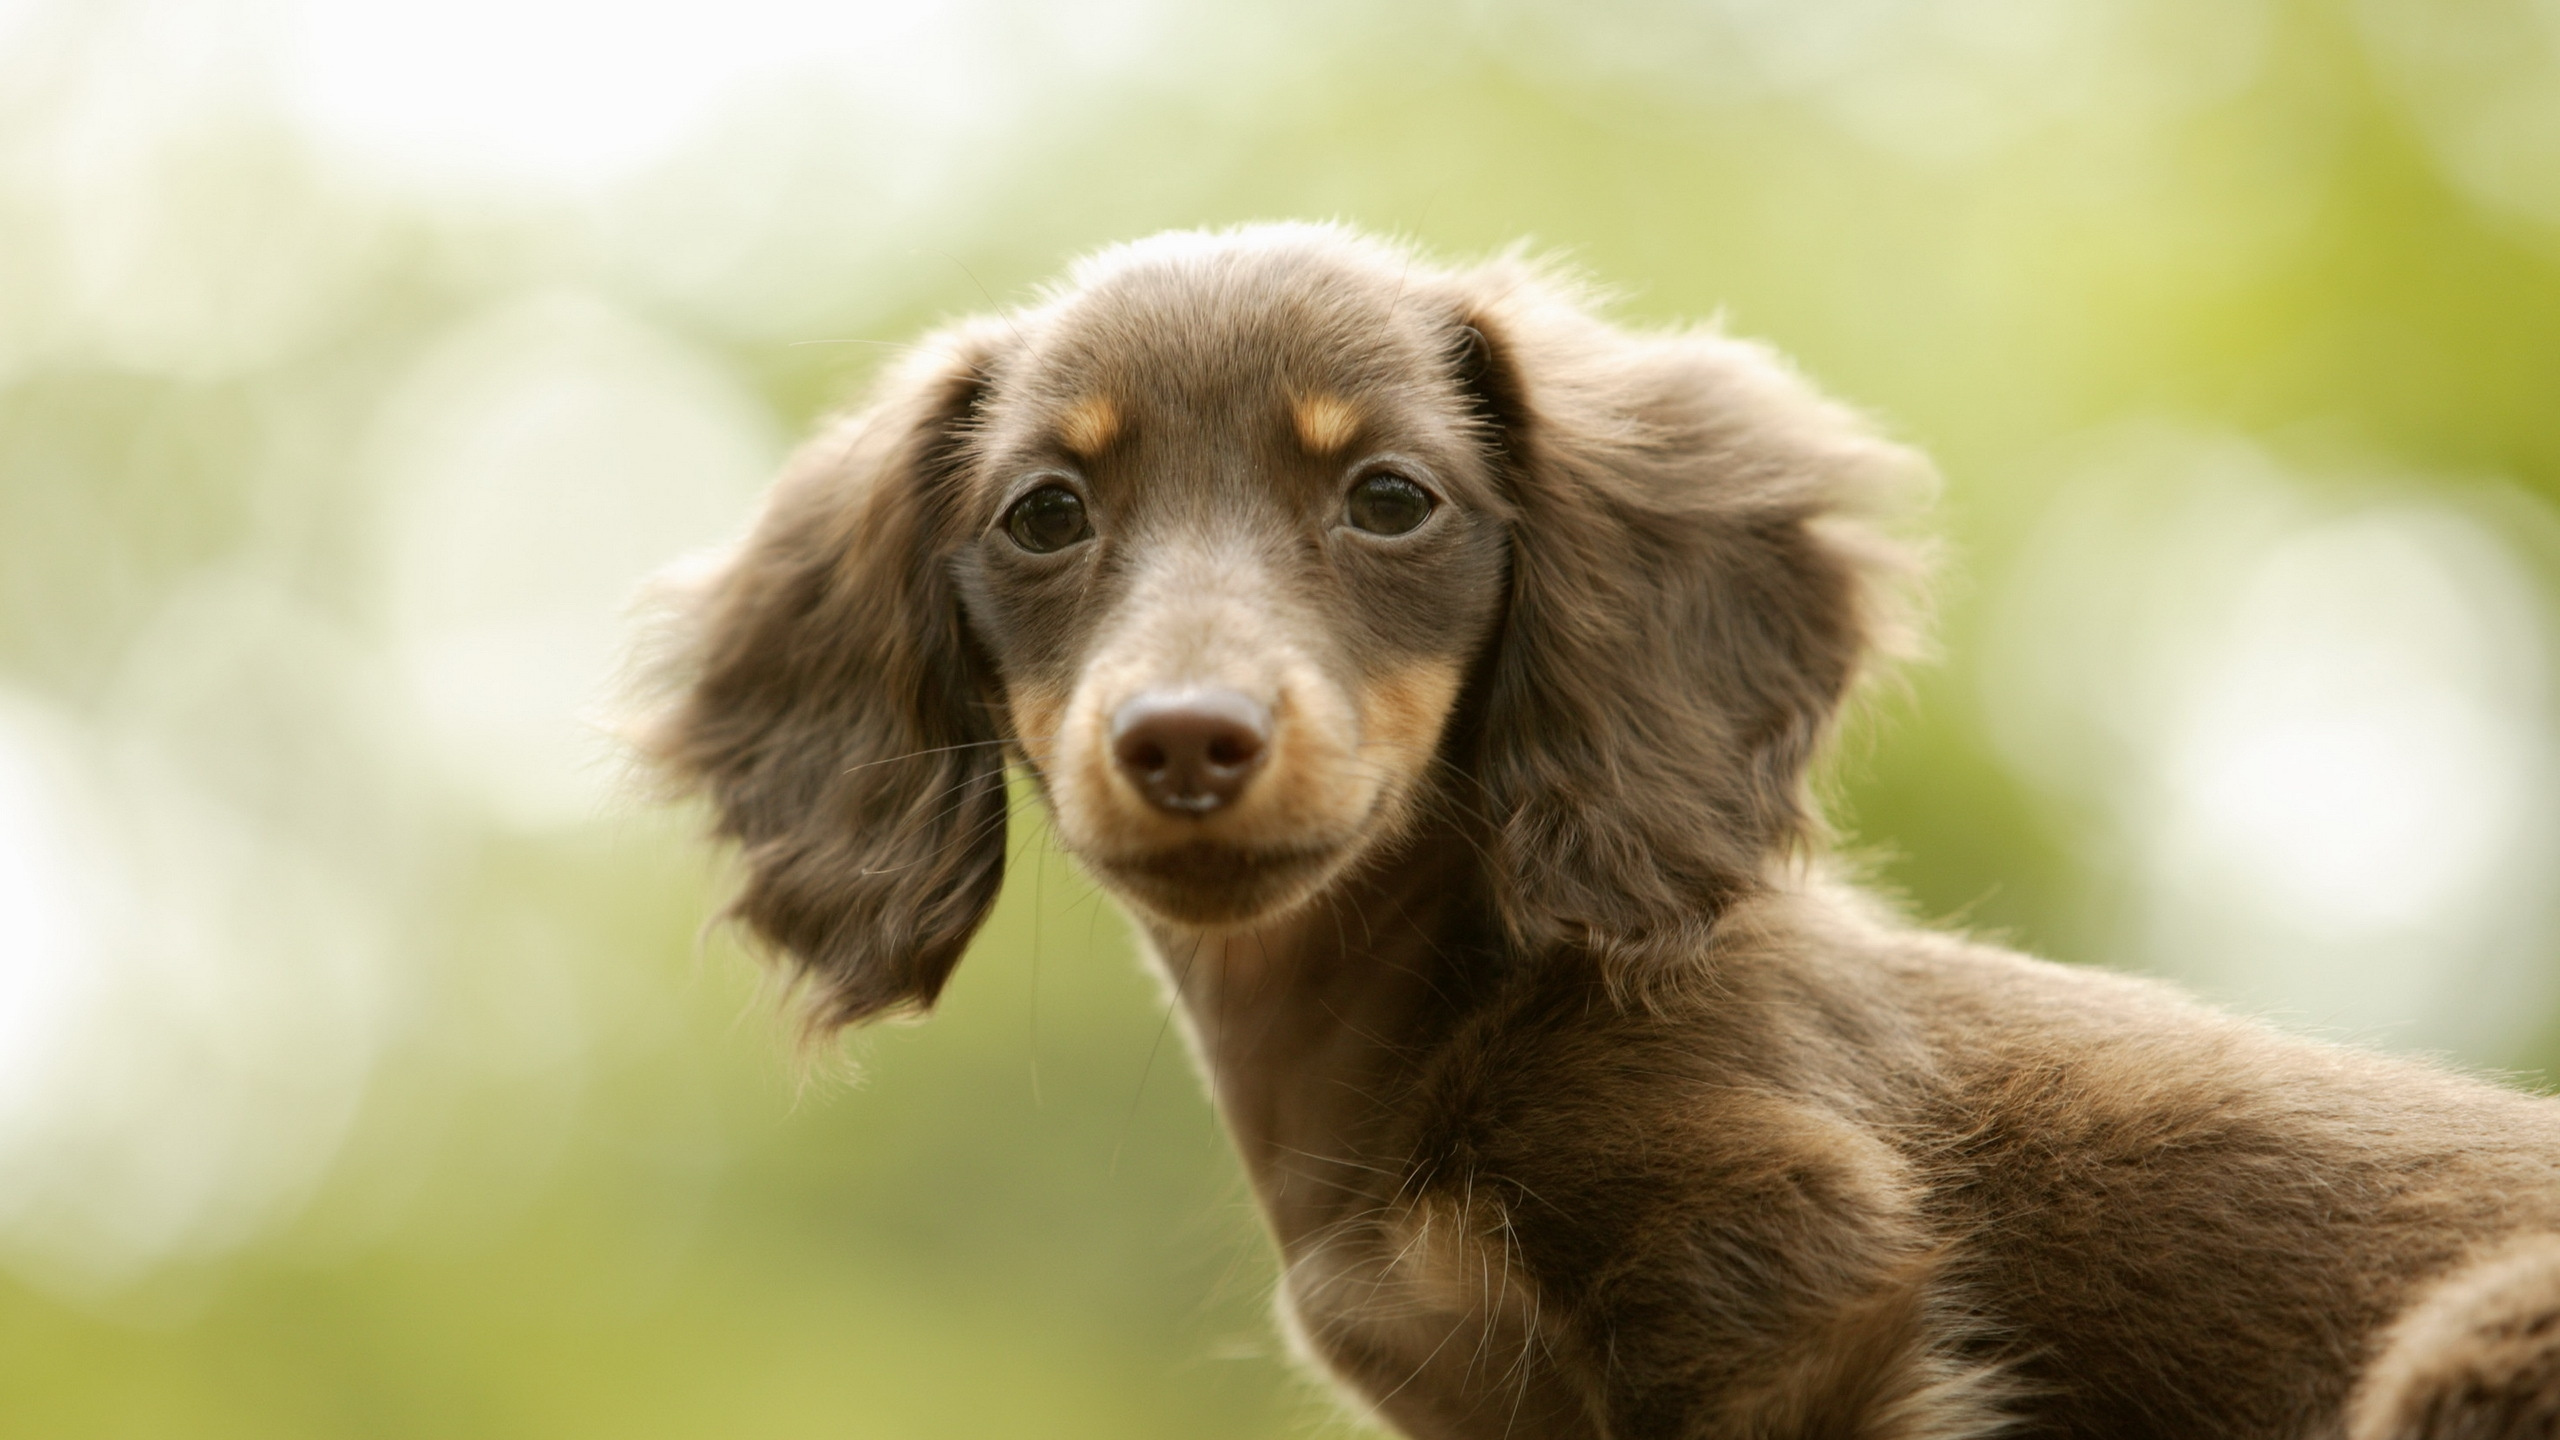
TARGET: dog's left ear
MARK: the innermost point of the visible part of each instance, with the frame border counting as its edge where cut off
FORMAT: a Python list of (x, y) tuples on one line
[(1692, 594)]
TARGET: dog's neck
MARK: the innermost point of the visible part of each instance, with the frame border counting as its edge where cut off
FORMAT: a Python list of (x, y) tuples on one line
[(1309, 1023)]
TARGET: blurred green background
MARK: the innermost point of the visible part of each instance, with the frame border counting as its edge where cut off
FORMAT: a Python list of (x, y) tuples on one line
[(364, 1070)]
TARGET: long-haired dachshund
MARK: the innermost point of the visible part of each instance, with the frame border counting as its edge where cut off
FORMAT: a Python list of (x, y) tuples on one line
[(1432, 669)]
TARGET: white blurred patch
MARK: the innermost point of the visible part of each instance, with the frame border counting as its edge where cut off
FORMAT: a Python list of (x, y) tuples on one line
[(2322, 739), (543, 89), (533, 467), (199, 974), (49, 904), (2360, 737), (584, 91), (155, 218)]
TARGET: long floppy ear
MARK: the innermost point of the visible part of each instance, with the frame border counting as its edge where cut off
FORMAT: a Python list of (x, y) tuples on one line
[(828, 701), (1692, 595)]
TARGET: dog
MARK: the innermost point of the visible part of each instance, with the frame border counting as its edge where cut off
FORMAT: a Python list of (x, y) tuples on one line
[(1431, 667)]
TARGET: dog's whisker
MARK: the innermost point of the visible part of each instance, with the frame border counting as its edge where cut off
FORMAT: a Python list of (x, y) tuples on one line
[(1181, 977), (923, 754), (978, 829)]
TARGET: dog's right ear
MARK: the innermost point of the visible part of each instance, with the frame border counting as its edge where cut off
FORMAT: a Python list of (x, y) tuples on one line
[(821, 690)]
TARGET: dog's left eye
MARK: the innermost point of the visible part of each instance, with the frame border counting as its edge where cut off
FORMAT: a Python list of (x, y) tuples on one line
[(1049, 518), (1387, 505)]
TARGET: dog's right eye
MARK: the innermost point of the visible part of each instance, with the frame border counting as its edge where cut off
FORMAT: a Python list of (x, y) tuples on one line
[(1049, 518)]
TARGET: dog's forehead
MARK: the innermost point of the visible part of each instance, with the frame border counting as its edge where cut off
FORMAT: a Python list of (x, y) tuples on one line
[(1227, 339)]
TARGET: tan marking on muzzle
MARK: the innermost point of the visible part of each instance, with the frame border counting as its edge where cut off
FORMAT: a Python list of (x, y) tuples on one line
[(1325, 423), (1090, 425), (1403, 711), (1037, 710)]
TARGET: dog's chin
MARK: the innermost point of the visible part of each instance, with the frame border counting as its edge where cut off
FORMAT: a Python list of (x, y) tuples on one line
[(1213, 885)]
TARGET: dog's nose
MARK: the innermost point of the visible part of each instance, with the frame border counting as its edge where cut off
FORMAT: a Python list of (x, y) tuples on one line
[(1190, 751)]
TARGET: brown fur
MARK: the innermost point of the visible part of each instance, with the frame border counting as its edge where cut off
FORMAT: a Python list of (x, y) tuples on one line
[(1579, 1102)]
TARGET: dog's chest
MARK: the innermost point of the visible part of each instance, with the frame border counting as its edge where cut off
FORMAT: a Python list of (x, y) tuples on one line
[(1424, 1309)]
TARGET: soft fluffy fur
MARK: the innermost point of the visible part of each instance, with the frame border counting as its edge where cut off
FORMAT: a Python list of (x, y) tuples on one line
[(1578, 1103)]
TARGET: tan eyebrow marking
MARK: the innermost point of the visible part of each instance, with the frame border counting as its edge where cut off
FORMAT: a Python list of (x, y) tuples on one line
[(1325, 423), (1090, 425)]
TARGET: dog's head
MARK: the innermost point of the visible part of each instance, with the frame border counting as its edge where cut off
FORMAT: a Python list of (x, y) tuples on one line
[(1261, 551)]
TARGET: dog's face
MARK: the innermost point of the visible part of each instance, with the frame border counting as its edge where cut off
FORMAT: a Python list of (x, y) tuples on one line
[(1237, 543), (1247, 547)]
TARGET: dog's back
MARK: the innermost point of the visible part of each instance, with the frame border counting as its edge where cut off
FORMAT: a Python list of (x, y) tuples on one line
[(2154, 1190)]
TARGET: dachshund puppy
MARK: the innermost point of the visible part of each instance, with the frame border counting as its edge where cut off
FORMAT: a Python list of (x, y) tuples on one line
[(1431, 668)]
